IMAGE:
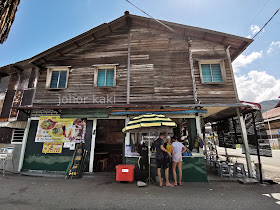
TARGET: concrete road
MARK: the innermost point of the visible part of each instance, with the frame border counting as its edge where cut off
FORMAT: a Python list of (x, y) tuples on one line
[(22, 192), (271, 166)]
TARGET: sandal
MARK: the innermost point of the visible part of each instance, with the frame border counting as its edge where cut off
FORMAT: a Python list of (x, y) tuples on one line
[(175, 184), (170, 185), (180, 185)]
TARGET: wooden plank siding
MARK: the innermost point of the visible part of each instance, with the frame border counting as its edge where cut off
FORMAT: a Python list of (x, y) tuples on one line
[(110, 49), (160, 71), (212, 93)]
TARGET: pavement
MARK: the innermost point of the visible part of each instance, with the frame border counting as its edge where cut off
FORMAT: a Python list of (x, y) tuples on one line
[(271, 165), (103, 192)]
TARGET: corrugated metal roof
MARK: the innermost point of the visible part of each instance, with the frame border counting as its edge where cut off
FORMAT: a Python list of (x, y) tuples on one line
[(15, 124), (272, 113)]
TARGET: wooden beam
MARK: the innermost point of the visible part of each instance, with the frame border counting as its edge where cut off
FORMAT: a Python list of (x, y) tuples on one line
[(76, 44), (128, 70), (16, 67), (3, 74), (223, 40)]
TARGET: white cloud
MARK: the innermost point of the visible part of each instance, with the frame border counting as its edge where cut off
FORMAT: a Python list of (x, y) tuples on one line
[(254, 29), (243, 60), (273, 46), (248, 36), (257, 86)]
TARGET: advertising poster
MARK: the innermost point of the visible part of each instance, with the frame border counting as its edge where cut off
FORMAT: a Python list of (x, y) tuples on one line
[(50, 147), (56, 129)]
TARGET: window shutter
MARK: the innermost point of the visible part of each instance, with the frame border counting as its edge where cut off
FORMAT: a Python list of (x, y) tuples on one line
[(18, 135), (110, 77), (101, 77), (54, 79), (206, 73), (216, 73), (62, 79)]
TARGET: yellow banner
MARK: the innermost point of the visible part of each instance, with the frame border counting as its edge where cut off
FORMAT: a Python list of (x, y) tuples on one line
[(50, 147), (55, 129)]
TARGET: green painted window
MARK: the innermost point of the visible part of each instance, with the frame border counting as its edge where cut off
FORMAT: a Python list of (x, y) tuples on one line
[(211, 73), (58, 79), (105, 77)]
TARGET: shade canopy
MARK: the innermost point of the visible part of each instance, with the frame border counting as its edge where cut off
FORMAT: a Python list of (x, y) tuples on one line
[(149, 121)]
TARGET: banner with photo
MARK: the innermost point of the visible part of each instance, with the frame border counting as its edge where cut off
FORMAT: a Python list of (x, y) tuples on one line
[(56, 129)]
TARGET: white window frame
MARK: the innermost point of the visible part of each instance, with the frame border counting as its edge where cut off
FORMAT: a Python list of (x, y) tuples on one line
[(104, 66), (49, 76), (213, 61)]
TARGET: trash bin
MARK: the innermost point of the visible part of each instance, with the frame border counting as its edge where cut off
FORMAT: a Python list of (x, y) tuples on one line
[(125, 173)]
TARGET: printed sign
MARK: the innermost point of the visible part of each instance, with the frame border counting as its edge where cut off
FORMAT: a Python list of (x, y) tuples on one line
[(125, 170), (56, 129), (50, 147)]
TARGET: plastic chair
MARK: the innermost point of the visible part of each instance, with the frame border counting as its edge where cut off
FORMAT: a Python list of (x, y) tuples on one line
[(224, 170), (103, 164), (239, 170)]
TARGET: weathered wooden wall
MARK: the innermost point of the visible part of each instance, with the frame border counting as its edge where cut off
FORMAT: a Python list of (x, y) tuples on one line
[(212, 93), (111, 49), (160, 70)]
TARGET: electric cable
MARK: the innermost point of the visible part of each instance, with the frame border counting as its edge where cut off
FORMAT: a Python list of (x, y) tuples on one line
[(266, 23)]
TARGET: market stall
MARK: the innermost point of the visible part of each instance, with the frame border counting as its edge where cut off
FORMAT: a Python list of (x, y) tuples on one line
[(193, 166)]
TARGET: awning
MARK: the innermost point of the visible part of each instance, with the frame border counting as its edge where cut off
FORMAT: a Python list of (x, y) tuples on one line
[(84, 113), (15, 124), (159, 112)]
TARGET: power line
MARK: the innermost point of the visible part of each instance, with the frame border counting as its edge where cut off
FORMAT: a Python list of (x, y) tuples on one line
[(258, 13), (151, 16), (266, 23)]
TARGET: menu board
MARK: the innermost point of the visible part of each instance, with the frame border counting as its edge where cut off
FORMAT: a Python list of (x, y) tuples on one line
[(56, 129)]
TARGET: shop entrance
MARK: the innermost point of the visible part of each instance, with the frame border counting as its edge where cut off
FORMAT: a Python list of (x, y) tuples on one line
[(109, 144)]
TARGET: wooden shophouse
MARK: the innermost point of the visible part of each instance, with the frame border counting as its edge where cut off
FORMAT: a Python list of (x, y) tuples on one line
[(130, 66)]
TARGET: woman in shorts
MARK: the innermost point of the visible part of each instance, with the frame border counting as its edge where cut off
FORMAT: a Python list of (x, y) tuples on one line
[(177, 150)]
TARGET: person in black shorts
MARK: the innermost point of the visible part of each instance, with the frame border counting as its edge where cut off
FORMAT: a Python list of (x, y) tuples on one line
[(161, 161)]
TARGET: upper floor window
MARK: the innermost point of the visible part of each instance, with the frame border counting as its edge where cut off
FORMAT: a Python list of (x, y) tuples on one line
[(105, 75), (212, 71), (57, 77)]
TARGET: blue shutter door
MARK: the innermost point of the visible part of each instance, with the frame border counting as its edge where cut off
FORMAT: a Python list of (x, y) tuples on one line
[(110, 77), (54, 79), (216, 72), (206, 73), (101, 77), (62, 79)]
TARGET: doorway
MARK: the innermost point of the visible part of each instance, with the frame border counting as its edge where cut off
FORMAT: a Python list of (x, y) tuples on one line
[(109, 145)]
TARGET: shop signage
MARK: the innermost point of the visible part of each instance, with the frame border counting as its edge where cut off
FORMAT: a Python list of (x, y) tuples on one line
[(56, 129), (50, 147)]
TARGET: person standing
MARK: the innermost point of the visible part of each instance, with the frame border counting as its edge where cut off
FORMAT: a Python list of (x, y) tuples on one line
[(168, 144), (161, 161), (178, 150), (168, 147)]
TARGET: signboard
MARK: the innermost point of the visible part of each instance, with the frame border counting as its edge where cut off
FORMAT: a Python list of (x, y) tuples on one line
[(279, 131), (56, 129), (50, 147)]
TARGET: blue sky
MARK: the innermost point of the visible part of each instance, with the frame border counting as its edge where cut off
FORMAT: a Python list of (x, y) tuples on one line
[(42, 24)]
